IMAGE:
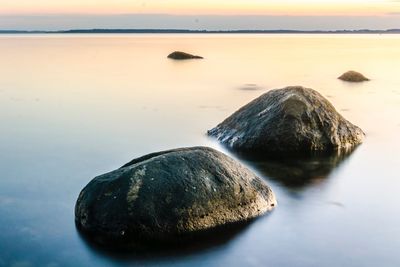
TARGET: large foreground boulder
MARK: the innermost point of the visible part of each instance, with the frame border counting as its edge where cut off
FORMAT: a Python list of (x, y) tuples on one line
[(293, 120), (167, 196), (352, 76), (178, 55)]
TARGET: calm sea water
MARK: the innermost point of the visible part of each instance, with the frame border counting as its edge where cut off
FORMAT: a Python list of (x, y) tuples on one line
[(75, 106)]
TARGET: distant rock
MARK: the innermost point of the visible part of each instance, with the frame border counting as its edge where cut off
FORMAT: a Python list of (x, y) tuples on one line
[(353, 76), (182, 55), (292, 120), (167, 196)]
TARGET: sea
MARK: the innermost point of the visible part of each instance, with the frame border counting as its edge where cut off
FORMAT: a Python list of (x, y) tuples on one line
[(74, 106)]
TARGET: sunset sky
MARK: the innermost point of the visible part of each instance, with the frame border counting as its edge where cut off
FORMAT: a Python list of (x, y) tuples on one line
[(61, 14)]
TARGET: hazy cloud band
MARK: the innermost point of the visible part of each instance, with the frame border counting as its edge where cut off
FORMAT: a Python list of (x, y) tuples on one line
[(203, 22)]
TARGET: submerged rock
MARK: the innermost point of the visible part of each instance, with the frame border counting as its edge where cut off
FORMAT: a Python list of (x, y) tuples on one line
[(167, 196), (292, 120), (353, 76), (182, 55), (250, 87)]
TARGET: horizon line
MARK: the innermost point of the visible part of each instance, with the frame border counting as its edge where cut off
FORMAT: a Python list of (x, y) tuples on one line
[(177, 30)]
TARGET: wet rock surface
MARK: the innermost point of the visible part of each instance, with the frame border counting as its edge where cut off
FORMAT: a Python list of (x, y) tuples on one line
[(169, 196), (353, 76), (178, 55), (290, 121)]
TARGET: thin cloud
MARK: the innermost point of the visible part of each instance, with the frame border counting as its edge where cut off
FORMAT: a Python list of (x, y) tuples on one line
[(200, 22)]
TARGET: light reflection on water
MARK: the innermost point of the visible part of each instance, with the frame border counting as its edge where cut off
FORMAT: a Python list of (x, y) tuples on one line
[(73, 107)]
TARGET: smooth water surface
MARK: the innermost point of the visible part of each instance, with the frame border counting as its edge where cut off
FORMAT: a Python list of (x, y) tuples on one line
[(75, 106)]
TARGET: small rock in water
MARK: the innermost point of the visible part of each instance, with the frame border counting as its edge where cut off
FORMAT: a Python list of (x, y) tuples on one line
[(292, 120), (182, 55), (353, 76), (167, 196)]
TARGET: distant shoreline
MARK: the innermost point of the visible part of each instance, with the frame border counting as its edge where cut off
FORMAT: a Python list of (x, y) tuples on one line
[(183, 31)]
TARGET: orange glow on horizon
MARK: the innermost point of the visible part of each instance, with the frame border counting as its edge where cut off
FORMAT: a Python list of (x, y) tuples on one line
[(205, 7)]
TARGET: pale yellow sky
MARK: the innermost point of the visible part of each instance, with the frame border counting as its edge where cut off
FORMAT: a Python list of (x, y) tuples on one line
[(201, 7)]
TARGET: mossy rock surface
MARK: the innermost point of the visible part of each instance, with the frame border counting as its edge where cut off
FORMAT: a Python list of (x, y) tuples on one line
[(293, 120), (178, 55), (168, 196), (353, 76)]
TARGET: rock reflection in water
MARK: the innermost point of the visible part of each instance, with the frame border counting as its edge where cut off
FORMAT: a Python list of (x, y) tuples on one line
[(297, 172), (199, 242)]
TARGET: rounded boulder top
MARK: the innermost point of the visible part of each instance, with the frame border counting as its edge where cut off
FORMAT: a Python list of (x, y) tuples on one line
[(166, 196), (353, 76), (292, 120), (178, 55)]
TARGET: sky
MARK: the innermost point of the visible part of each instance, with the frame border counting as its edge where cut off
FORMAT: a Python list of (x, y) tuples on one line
[(199, 14)]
